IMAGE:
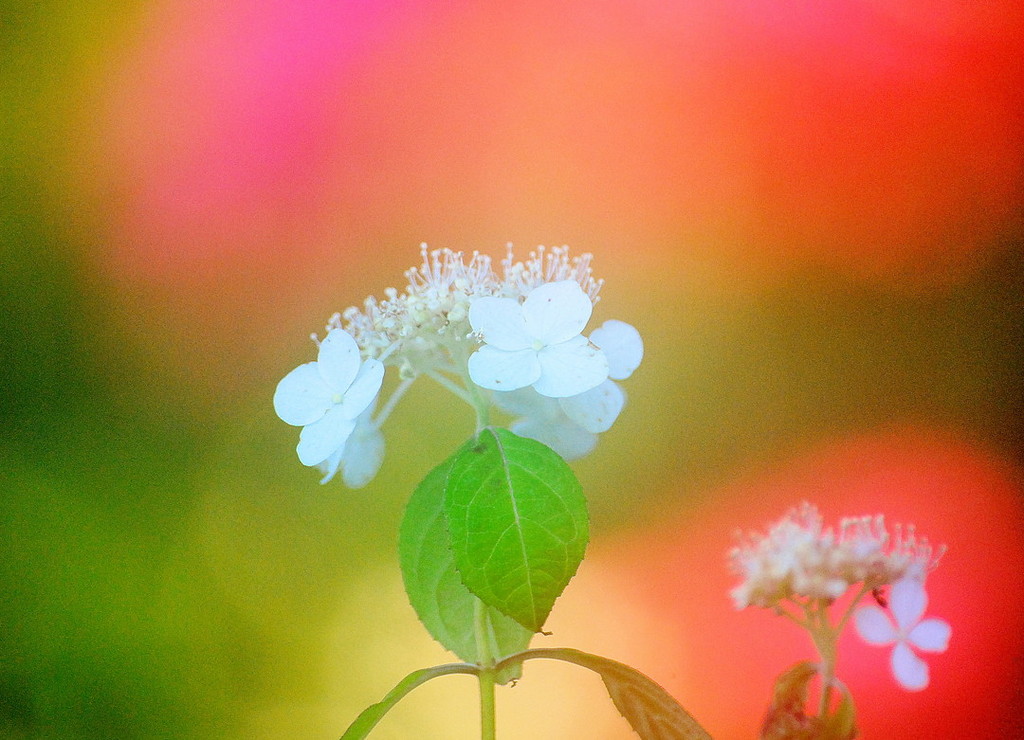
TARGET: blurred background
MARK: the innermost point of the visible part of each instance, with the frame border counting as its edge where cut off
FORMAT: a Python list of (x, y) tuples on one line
[(812, 212)]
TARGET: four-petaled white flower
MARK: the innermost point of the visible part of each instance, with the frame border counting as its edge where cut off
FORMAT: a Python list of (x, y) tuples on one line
[(326, 397), (570, 425), (905, 629), (537, 342)]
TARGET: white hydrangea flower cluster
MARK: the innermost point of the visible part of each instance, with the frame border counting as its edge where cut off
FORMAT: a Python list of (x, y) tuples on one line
[(481, 336), (801, 559), (800, 567)]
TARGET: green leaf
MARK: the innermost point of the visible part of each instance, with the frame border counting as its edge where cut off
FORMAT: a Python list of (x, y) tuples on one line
[(444, 605), (842, 723), (517, 521), (650, 710), (787, 714)]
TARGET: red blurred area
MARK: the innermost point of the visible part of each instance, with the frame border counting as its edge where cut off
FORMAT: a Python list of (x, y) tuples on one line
[(888, 134), (877, 137), (721, 663)]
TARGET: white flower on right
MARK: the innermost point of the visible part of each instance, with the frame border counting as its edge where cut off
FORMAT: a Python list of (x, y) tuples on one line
[(537, 343), (570, 425), (906, 629)]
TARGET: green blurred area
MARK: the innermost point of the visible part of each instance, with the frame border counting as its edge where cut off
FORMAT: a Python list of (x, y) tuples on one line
[(170, 570), (822, 356)]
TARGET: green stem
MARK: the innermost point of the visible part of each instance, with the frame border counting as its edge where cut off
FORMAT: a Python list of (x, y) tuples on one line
[(824, 637), (487, 674), (849, 610), (483, 411), (383, 414), (487, 713), (479, 402), (373, 713), (449, 385), (828, 672)]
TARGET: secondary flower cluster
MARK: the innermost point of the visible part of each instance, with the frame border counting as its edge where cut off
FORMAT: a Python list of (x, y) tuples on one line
[(800, 563), (515, 340), (801, 558)]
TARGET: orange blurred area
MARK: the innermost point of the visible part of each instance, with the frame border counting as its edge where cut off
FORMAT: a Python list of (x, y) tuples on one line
[(721, 663)]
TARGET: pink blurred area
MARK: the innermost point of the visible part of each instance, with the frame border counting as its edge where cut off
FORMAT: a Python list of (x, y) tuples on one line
[(721, 663), (224, 131)]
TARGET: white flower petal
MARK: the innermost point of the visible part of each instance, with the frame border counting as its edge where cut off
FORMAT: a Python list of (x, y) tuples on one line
[(555, 312), (364, 389), (910, 671), (363, 455), (302, 396), (907, 601), (329, 467), (622, 346), (931, 635), (500, 322), (874, 626), (338, 360), (597, 409), (564, 437), (499, 370), (319, 440), (527, 402), (569, 368)]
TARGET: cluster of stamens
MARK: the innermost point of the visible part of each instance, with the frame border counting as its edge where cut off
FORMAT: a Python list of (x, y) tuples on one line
[(409, 328)]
